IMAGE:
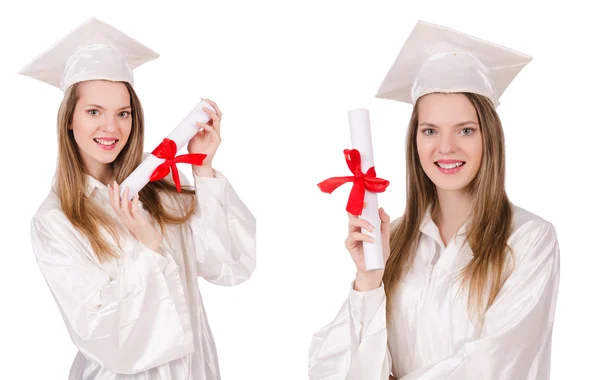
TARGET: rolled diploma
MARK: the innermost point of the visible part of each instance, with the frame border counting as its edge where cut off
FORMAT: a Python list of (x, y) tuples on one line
[(360, 135), (181, 135)]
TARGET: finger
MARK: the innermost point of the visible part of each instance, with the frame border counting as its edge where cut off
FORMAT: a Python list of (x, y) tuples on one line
[(126, 206), (213, 115), (201, 131), (385, 221), (385, 218), (114, 197), (358, 236), (214, 105), (135, 211), (350, 243), (351, 223), (200, 127), (213, 132), (215, 118), (357, 223)]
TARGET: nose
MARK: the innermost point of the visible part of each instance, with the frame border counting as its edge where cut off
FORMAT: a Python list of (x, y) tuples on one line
[(109, 125), (447, 143)]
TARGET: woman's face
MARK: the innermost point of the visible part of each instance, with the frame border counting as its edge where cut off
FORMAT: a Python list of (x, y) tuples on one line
[(101, 123), (449, 140)]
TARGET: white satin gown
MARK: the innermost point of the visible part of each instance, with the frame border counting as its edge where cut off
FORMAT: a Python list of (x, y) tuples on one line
[(430, 335), (141, 316)]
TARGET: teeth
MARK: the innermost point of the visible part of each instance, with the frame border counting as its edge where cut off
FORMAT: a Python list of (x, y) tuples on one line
[(104, 142), (450, 166)]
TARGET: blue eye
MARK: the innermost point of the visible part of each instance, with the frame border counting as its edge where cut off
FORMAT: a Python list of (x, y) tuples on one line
[(469, 130), (426, 131)]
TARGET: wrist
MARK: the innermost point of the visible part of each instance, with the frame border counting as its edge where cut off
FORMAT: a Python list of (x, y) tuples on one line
[(366, 281), (203, 171)]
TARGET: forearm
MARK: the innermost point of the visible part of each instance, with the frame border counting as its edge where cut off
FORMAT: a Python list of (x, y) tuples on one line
[(204, 171), (366, 281)]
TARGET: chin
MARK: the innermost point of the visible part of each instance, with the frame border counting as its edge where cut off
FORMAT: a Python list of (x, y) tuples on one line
[(107, 158), (450, 186)]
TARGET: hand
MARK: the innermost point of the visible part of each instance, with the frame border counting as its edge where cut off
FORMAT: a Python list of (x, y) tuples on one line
[(207, 141), (129, 214), (354, 243)]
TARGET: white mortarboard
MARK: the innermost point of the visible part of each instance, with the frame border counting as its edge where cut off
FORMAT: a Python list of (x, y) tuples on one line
[(94, 50), (438, 59)]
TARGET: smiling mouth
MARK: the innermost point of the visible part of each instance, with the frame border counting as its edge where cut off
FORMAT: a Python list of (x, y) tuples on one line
[(106, 142), (450, 166)]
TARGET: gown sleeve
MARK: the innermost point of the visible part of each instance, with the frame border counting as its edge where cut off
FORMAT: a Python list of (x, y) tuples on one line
[(223, 231), (354, 345), (126, 323), (516, 332)]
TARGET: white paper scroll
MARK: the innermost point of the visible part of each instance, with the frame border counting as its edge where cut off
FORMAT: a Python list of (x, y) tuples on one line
[(180, 135), (360, 135)]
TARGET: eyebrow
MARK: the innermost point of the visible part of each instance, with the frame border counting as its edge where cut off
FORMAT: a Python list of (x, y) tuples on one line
[(102, 108), (457, 125)]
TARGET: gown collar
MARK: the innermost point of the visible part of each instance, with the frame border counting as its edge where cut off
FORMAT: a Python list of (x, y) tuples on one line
[(429, 228), (92, 184)]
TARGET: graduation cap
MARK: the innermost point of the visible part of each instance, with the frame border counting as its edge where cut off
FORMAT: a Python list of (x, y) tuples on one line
[(94, 50), (439, 59)]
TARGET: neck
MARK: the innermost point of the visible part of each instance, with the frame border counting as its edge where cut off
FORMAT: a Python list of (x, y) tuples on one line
[(454, 205), (101, 172)]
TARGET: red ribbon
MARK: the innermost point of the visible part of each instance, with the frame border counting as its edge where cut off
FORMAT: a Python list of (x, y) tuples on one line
[(167, 150), (362, 181)]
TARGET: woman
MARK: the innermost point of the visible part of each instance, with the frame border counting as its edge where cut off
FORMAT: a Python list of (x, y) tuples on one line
[(124, 274), (470, 281)]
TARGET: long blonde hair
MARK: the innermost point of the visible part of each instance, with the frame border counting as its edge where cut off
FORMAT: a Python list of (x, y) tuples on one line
[(71, 181), (491, 214)]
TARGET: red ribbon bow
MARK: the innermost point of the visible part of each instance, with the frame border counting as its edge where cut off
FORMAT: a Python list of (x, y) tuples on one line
[(362, 181), (167, 150)]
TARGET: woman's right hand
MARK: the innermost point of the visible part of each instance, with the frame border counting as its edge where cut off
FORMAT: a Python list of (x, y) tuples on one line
[(367, 280), (129, 214)]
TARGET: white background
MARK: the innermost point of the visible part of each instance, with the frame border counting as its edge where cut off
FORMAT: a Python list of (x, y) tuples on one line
[(285, 74)]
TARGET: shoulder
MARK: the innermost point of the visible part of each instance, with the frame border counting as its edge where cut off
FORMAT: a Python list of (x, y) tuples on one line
[(532, 237), (49, 215), (49, 208), (524, 221)]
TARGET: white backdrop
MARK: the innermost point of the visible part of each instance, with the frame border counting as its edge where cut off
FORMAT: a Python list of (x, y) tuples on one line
[(285, 73)]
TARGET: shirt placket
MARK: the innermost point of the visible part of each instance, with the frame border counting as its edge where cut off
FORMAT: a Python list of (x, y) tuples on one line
[(435, 266)]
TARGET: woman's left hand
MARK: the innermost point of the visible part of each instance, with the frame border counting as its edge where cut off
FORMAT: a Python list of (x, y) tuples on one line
[(207, 141)]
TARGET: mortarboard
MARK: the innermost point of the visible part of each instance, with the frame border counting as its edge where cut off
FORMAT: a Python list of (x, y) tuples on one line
[(94, 50), (438, 59)]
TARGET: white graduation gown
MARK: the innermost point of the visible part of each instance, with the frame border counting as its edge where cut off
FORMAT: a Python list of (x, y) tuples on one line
[(141, 316), (430, 336)]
